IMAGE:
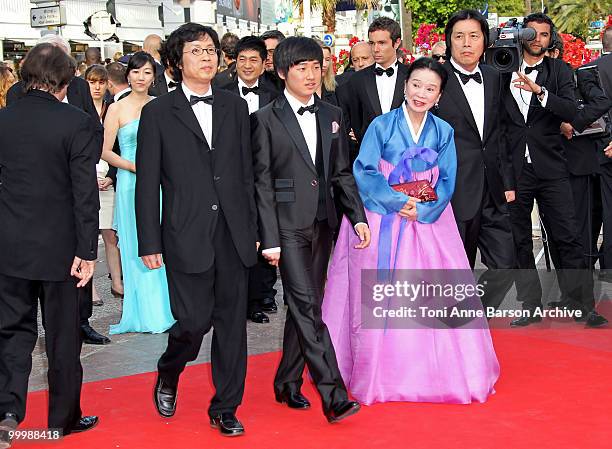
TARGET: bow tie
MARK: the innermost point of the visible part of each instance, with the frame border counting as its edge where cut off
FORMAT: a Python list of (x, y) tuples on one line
[(465, 77), (312, 109), (380, 71), (172, 84), (246, 90), (194, 99), (536, 68)]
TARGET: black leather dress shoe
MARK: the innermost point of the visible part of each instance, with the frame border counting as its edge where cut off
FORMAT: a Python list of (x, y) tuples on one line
[(86, 423), (525, 321), (259, 317), (594, 319), (164, 398), (228, 424), (8, 424), (91, 337), (294, 400), (342, 410), (268, 305)]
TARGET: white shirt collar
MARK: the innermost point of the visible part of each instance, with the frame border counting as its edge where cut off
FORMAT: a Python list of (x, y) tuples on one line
[(295, 103), (525, 65), (242, 83), (167, 78), (188, 92), (118, 94), (462, 70), (416, 135), (392, 65)]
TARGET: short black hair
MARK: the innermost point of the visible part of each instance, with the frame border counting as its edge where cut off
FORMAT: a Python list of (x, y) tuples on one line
[(429, 64), (273, 34), (539, 17), (295, 50), (138, 60), (465, 14), (188, 32), (386, 24), (48, 67), (252, 43), (228, 45)]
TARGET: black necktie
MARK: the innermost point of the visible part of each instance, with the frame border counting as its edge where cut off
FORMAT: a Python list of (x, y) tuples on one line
[(465, 77), (246, 90), (194, 99), (380, 71), (312, 109), (537, 68), (172, 84)]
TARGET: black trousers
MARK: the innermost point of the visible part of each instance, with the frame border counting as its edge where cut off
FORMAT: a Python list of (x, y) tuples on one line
[(555, 202), (215, 298), (262, 277), (606, 200), (490, 231), (303, 265), (86, 302), (18, 335)]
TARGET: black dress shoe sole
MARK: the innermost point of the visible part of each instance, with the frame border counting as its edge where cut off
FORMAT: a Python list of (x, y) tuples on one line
[(350, 412), (226, 433), (87, 341), (85, 430), (293, 407), (157, 407), (516, 323), (596, 325)]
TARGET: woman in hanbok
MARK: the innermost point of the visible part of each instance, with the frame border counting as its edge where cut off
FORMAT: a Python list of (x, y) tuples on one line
[(426, 364), (146, 303)]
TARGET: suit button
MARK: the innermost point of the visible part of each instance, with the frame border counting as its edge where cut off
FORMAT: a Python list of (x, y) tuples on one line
[(216, 178), (214, 207), (314, 183)]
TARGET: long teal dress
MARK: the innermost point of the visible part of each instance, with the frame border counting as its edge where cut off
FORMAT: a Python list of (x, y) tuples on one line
[(146, 304)]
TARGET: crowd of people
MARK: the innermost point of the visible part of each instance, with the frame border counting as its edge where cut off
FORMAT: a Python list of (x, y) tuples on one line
[(206, 182)]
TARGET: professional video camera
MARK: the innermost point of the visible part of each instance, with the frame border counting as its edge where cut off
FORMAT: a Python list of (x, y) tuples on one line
[(506, 53)]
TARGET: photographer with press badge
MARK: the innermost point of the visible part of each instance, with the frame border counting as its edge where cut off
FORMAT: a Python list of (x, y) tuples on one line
[(538, 97)]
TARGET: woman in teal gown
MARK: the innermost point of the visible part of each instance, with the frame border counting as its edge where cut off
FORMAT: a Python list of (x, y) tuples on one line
[(146, 304)]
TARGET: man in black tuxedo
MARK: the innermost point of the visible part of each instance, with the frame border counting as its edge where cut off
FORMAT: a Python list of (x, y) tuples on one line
[(78, 95), (164, 80), (378, 88), (228, 51), (257, 91), (272, 38), (300, 153), (537, 99), (471, 103), (208, 221), (49, 220)]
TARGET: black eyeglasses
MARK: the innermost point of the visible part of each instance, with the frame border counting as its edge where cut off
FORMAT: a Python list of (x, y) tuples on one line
[(438, 57), (198, 51)]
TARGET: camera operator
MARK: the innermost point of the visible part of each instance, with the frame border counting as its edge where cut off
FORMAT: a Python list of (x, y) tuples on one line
[(538, 98)]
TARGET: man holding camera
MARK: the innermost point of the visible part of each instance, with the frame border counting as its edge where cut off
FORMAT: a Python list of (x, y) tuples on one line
[(537, 99)]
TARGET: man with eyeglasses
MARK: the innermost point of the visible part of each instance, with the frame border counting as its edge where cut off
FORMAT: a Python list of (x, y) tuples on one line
[(272, 38), (208, 220)]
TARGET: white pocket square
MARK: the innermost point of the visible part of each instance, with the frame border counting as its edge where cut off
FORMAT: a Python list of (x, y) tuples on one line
[(335, 127)]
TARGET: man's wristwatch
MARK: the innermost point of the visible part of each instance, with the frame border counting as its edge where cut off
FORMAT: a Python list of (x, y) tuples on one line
[(541, 94)]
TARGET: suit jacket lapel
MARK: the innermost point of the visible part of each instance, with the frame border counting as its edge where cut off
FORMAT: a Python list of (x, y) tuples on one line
[(541, 80), (454, 89), (324, 121), (218, 117), (289, 121), (372, 91), (400, 81), (489, 99), (265, 97), (182, 109)]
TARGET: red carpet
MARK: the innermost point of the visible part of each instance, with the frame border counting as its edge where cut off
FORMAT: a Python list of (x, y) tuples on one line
[(552, 394)]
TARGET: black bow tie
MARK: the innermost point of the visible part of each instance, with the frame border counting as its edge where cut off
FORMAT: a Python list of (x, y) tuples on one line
[(380, 71), (194, 99), (312, 109), (465, 77), (172, 84), (246, 90), (537, 68)]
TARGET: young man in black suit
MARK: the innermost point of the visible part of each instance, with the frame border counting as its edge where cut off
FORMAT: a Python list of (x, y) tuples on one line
[(208, 220), (49, 220), (300, 153), (471, 103), (78, 95), (378, 88), (257, 91), (164, 80), (537, 99)]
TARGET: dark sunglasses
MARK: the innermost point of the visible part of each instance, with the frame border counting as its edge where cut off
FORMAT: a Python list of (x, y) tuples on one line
[(438, 57)]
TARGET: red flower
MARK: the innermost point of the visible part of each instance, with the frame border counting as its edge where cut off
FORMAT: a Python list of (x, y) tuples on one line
[(575, 52)]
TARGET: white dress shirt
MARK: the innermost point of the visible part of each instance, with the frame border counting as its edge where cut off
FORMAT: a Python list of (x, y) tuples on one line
[(523, 97), (168, 80), (251, 98), (474, 94), (307, 122), (202, 111), (121, 92), (386, 87), (416, 135)]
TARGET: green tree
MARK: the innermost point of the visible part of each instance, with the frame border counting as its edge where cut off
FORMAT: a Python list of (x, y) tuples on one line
[(574, 16), (508, 8), (438, 11)]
